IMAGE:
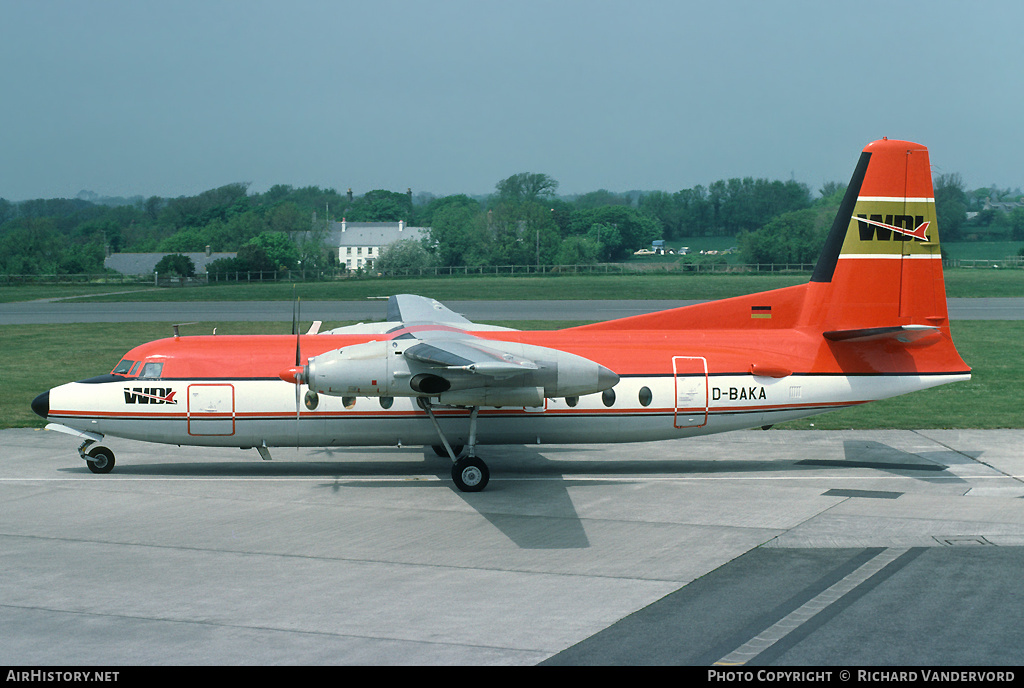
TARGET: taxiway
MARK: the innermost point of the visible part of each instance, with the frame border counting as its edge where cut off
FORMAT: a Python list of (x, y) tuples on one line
[(778, 547)]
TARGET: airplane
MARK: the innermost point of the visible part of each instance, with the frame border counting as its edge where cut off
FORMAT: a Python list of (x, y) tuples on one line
[(870, 323)]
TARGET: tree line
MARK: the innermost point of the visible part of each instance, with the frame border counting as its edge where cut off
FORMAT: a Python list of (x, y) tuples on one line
[(524, 221)]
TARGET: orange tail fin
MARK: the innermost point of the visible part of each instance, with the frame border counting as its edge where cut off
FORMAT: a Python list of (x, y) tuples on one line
[(882, 265)]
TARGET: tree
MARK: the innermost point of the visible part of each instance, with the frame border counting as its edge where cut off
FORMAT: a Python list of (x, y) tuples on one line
[(793, 237), (252, 258), (403, 256), (175, 264), (667, 209), (458, 234), (523, 234), (633, 229), (950, 204), (525, 187), (380, 206), (280, 251), (1016, 219), (578, 250)]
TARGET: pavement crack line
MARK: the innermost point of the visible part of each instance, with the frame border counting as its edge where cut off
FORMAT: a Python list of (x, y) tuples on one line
[(975, 459), (805, 612)]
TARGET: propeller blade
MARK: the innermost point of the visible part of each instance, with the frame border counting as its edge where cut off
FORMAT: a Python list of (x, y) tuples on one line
[(295, 330)]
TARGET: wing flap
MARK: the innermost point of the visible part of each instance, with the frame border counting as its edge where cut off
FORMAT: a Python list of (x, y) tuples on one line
[(459, 355)]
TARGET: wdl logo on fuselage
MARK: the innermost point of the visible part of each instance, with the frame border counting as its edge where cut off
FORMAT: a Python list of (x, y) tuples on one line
[(149, 395)]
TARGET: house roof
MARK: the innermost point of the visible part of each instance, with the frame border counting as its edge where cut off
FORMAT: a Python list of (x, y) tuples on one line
[(143, 263), (372, 233)]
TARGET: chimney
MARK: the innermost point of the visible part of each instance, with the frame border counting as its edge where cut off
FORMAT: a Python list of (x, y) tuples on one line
[(208, 251), (343, 225), (401, 225), (350, 195)]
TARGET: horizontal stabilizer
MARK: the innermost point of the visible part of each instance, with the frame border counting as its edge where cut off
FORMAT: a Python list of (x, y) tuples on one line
[(900, 333)]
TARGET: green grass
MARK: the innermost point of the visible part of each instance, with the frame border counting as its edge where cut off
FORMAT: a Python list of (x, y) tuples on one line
[(981, 250), (960, 283), (990, 399), (38, 357)]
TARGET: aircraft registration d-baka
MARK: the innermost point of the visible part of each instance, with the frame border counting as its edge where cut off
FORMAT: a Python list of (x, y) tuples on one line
[(870, 324)]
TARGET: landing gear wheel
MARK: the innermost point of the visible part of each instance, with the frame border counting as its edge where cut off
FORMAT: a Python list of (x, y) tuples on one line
[(470, 474), (101, 461)]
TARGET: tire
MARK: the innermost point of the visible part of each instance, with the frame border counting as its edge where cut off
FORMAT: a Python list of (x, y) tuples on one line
[(470, 474), (102, 460)]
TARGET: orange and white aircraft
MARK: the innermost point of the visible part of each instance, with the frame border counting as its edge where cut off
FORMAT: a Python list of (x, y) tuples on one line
[(870, 324)]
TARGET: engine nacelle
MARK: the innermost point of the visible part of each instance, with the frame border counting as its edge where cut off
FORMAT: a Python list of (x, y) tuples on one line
[(518, 375), (362, 369)]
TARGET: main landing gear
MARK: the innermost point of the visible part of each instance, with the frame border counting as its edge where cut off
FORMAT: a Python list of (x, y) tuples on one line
[(469, 472)]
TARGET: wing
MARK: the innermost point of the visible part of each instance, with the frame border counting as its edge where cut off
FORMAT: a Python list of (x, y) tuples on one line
[(455, 355), (405, 310), (426, 350), (409, 308)]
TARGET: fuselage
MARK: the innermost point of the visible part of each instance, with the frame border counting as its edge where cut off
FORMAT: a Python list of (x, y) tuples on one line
[(226, 391)]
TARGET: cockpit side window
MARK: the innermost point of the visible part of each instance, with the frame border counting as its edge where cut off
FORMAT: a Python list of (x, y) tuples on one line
[(123, 368), (151, 371)]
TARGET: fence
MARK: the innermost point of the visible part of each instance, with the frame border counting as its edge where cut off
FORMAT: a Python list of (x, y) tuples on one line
[(460, 271)]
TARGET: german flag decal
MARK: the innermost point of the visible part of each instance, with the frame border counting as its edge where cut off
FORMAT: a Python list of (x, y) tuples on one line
[(761, 312)]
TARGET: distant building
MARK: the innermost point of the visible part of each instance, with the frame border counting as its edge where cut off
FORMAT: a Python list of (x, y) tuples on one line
[(993, 203), (143, 263), (359, 243)]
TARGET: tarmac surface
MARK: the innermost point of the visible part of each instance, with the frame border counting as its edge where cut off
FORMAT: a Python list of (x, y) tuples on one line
[(791, 548)]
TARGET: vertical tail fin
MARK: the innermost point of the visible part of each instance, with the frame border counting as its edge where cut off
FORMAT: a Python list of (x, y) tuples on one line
[(882, 266)]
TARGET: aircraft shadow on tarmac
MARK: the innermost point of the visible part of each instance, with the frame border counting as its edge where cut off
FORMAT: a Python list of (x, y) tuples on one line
[(537, 477)]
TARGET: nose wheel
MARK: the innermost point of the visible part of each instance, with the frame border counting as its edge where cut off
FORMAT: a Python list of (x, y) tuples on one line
[(101, 460)]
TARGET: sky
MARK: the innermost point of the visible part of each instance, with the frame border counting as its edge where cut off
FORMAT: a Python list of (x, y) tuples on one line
[(126, 98)]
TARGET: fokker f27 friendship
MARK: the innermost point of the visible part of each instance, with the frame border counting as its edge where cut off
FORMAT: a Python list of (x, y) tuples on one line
[(871, 323)]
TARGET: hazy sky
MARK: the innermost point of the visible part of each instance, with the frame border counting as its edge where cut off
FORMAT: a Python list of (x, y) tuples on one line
[(444, 96)]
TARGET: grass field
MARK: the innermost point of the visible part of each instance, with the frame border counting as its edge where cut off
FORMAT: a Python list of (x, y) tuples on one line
[(38, 357), (960, 283)]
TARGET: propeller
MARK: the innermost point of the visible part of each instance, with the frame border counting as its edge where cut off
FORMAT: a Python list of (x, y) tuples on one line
[(296, 374)]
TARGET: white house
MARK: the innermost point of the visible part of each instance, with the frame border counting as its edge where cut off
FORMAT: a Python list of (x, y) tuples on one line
[(359, 243)]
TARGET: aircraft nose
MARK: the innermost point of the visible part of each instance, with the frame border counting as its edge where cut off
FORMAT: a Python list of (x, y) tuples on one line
[(41, 404)]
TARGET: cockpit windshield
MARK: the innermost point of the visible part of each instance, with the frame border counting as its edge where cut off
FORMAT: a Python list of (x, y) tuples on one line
[(123, 367), (148, 370), (151, 371)]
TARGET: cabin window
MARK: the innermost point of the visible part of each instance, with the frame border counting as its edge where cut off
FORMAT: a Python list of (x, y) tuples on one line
[(608, 397), (349, 402), (123, 368), (386, 402), (645, 396), (151, 371), (572, 401), (312, 400)]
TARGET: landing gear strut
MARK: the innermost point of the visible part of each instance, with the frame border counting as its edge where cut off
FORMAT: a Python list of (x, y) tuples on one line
[(98, 459), (469, 472)]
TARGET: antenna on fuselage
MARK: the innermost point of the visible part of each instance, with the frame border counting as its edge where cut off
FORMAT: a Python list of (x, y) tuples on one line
[(178, 334)]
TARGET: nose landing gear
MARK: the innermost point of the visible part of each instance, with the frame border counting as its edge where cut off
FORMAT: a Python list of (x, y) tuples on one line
[(100, 460)]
